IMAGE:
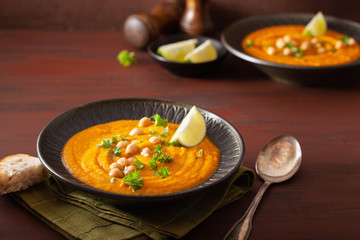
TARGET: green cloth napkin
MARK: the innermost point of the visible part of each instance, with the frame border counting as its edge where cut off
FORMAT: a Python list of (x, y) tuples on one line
[(77, 215)]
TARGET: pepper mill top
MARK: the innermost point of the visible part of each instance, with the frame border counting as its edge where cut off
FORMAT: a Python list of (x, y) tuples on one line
[(140, 29), (196, 18)]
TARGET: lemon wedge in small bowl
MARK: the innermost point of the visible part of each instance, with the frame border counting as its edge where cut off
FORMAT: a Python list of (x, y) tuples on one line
[(187, 69), (203, 53), (178, 50), (192, 129)]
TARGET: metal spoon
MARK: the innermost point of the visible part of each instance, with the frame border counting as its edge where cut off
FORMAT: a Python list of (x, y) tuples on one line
[(278, 161)]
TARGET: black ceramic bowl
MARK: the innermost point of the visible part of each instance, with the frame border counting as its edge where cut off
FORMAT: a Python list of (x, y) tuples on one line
[(56, 133), (186, 69), (289, 74)]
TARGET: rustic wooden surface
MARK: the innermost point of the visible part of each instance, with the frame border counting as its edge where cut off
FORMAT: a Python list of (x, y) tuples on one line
[(44, 73)]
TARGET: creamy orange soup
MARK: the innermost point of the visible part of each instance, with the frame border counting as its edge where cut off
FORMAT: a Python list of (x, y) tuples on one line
[(91, 154), (286, 45)]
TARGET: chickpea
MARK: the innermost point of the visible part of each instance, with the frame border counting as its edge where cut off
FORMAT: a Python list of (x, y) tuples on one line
[(115, 172), (122, 144), (115, 165), (145, 121), (339, 44), (129, 169), (270, 50), (155, 140), (287, 38), (351, 41), (280, 43), (287, 51), (131, 148), (294, 43), (321, 50), (135, 141), (136, 131), (305, 45), (314, 41), (130, 160), (146, 152), (123, 162)]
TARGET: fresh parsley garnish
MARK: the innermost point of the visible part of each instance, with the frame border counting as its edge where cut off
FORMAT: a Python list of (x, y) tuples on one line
[(163, 172), (114, 139), (134, 181), (158, 149), (164, 159), (165, 132), (126, 58), (159, 121), (108, 152), (200, 152), (112, 180), (116, 151), (345, 39), (153, 164), (249, 43), (138, 164), (298, 52), (106, 143), (153, 132)]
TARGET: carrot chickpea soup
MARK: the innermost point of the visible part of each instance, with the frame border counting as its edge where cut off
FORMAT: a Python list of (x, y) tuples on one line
[(136, 157), (286, 44)]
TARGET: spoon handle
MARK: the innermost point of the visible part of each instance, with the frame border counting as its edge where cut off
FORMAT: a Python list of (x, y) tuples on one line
[(245, 226)]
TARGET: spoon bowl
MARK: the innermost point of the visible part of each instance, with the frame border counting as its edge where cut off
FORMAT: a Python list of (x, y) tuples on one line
[(278, 161)]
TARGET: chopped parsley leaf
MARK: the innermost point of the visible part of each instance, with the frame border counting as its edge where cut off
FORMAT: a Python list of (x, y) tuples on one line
[(164, 159), (158, 149), (114, 140), (112, 180), (138, 164), (106, 143), (126, 58), (116, 151), (153, 132), (153, 164), (249, 43), (165, 132), (159, 121), (163, 172), (134, 181), (345, 39)]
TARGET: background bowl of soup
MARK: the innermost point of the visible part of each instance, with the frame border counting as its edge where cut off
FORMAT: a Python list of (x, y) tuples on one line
[(56, 133), (233, 36)]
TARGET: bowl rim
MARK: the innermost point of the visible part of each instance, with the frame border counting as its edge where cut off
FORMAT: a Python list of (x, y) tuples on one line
[(243, 55), (221, 52), (143, 198)]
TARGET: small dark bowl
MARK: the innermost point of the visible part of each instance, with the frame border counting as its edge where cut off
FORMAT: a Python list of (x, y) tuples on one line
[(186, 69), (56, 133), (290, 74)]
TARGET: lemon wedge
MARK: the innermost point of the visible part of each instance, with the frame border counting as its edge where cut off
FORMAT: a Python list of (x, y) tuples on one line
[(203, 53), (177, 51), (316, 27), (192, 129)]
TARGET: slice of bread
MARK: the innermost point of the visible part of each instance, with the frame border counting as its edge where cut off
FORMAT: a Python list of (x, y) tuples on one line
[(20, 171)]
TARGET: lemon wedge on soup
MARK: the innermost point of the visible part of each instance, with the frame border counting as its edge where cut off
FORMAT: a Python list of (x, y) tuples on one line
[(203, 53), (176, 51), (316, 27), (192, 129)]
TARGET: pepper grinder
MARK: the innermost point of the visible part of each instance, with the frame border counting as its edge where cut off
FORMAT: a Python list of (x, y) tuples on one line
[(140, 29), (196, 18)]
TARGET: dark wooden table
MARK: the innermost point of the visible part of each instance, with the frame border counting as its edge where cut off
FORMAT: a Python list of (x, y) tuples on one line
[(44, 73)]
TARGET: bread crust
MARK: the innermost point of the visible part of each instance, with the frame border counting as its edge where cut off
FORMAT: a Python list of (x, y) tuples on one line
[(20, 171)]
